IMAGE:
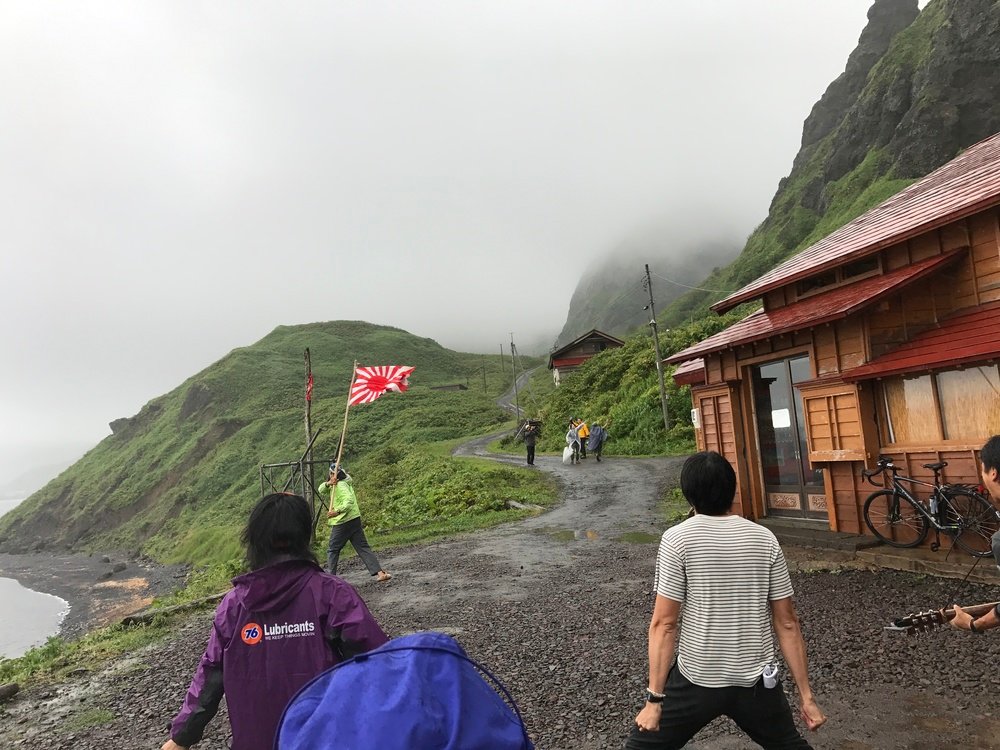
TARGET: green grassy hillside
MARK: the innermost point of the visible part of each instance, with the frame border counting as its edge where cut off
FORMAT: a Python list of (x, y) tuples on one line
[(176, 481)]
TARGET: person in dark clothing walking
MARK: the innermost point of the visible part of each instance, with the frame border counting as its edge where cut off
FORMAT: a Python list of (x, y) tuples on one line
[(530, 437), (598, 436)]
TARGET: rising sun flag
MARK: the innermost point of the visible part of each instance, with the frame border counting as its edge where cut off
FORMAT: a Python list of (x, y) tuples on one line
[(371, 382)]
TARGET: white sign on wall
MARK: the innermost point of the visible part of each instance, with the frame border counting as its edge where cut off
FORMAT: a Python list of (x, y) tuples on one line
[(781, 418), (696, 419)]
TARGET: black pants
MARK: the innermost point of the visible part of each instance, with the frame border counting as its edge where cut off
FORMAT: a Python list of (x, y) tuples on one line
[(350, 531), (763, 713), (583, 447), (531, 454)]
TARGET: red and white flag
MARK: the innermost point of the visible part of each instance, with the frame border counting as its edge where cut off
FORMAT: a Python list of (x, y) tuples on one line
[(372, 382)]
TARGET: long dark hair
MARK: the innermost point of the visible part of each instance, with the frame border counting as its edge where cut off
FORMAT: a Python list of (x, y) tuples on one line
[(280, 526)]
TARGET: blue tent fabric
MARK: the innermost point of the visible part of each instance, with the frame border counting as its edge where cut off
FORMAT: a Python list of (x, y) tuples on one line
[(417, 692)]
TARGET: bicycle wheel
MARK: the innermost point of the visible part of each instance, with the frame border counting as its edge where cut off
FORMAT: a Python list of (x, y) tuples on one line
[(977, 521), (895, 520)]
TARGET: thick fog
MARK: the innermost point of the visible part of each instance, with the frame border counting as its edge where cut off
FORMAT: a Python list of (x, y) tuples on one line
[(180, 178)]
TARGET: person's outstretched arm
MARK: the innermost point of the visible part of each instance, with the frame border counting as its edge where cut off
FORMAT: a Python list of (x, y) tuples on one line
[(793, 648), (662, 646), (203, 696)]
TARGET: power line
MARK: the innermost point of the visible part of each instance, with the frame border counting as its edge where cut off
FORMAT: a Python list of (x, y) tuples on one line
[(631, 290), (696, 288)]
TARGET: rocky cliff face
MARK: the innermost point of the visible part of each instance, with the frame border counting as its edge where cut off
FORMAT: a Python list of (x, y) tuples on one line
[(919, 88), (886, 18)]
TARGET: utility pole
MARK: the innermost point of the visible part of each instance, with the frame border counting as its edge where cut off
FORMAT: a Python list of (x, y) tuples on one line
[(656, 346), (503, 369), (513, 369)]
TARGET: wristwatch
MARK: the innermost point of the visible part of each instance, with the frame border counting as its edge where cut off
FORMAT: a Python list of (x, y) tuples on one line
[(652, 697), (972, 626)]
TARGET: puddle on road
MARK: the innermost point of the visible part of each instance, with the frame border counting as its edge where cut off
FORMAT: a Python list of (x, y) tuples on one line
[(570, 535), (638, 537)]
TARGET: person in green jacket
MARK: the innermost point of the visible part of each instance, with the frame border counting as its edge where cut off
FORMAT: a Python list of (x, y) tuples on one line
[(345, 524)]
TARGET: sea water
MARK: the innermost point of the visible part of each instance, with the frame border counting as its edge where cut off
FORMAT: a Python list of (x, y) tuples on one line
[(27, 618)]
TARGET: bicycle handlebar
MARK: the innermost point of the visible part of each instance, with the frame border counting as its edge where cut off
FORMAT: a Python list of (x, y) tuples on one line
[(882, 463)]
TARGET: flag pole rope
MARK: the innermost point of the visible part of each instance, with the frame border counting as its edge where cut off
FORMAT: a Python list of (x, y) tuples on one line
[(343, 435)]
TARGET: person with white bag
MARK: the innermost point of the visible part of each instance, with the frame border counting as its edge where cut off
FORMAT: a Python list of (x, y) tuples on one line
[(571, 454)]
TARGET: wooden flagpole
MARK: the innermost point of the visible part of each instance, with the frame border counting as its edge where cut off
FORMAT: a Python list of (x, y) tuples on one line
[(343, 435)]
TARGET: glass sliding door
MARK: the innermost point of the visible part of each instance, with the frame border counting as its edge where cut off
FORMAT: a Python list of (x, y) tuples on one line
[(791, 486)]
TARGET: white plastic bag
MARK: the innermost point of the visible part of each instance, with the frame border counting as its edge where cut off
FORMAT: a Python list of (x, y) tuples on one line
[(567, 454)]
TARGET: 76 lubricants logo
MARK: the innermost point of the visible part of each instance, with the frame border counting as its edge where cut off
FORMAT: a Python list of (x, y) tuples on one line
[(252, 633)]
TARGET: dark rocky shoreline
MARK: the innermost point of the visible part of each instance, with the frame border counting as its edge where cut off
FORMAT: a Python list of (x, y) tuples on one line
[(100, 589)]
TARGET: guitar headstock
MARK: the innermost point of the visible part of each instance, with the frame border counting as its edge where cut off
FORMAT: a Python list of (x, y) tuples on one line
[(918, 623)]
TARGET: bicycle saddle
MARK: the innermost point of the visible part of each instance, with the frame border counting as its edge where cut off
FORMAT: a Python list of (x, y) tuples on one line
[(935, 467)]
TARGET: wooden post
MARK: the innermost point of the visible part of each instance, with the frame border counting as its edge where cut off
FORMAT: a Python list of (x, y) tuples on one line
[(343, 435), (308, 457)]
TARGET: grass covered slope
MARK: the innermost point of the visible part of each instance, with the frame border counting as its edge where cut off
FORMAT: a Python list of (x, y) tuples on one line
[(176, 481), (619, 389)]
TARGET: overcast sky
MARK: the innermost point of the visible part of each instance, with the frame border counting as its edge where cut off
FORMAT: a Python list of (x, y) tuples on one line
[(179, 178)]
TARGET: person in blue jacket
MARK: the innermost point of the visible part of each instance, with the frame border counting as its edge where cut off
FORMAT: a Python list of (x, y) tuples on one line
[(282, 624)]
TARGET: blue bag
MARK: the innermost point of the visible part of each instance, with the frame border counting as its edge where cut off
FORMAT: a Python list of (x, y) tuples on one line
[(417, 692)]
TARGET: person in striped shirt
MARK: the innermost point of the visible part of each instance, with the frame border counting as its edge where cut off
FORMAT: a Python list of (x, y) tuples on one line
[(728, 578)]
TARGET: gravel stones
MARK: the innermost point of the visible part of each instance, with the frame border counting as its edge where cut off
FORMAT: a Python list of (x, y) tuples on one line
[(562, 622)]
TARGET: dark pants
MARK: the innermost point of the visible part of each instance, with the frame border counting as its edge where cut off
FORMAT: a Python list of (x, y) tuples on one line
[(531, 454), (583, 447), (350, 531), (763, 713)]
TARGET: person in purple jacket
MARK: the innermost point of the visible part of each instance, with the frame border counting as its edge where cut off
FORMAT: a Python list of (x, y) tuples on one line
[(281, 625)]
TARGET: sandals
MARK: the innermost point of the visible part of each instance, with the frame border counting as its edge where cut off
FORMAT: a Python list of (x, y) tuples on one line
[(383, 576)]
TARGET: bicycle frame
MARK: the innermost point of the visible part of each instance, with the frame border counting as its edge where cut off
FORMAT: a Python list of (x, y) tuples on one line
[(926, 509)]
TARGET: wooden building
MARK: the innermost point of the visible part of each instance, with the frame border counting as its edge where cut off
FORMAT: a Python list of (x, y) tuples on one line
[(566, 359), (883, 337)]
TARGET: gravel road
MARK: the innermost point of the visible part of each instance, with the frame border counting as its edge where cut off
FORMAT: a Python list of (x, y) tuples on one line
[(557, 606)]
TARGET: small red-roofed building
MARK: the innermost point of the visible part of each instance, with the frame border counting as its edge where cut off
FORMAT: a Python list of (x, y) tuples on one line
[(568, 358)]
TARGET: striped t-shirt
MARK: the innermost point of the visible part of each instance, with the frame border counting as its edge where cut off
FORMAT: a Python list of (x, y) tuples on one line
[(725, 570)]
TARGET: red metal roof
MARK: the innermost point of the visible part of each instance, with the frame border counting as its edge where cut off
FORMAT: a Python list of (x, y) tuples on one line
[(966, 185), (691, 372), (813, 311), (960, 339), (569, 361)]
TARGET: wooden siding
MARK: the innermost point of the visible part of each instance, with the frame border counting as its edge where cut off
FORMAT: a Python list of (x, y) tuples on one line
[(718, 431), (899, 318), (833, 423), (983, 235), (839, 346)]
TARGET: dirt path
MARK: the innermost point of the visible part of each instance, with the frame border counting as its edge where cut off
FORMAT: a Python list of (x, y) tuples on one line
[(558, 607)]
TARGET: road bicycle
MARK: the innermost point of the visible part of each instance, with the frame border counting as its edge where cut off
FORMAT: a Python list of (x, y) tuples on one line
[(961, 511)]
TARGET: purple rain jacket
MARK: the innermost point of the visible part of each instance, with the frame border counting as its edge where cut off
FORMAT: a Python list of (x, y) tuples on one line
[(278, 628)]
